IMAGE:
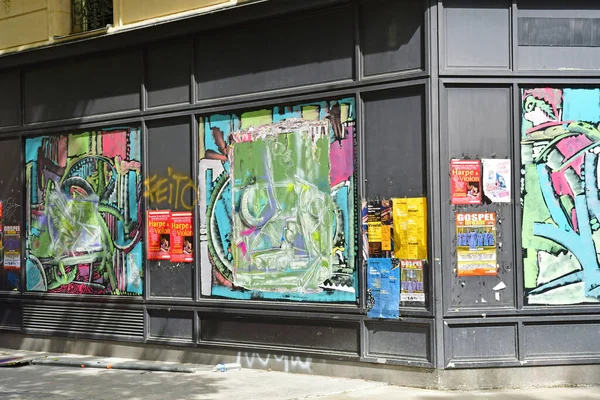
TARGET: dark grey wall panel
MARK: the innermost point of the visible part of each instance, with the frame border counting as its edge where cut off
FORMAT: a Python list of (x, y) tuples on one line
[(562, 32), (399, 340), (276, 54), (392, 36), (481, 343), (96, 84), (167, 188), (310, 334), (171, 324), (476, 33), (479, 126), (10, 315), (479, 121), (10, 88), (395, 143), (562, 340), (170, 280), (168, 69)]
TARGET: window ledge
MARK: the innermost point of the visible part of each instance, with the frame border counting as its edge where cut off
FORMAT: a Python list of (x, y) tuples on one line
[(82, 35)]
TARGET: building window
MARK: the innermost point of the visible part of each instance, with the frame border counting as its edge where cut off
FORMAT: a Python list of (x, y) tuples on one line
[(87, 15)]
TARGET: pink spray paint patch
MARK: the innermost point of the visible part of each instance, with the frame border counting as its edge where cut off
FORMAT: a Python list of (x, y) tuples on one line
[(341, 161), (248, 232), (114, 144), (243, 248)]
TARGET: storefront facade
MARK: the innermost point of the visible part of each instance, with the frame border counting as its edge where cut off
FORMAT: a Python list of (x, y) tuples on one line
[(404, 187)]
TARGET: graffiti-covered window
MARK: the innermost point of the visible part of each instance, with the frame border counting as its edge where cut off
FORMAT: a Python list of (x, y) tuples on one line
[(279, 203), (83, 224), (559, 195)]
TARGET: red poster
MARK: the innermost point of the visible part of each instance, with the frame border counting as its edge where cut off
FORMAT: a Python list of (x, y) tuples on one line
[(465, 181), (182, 237), (159, 234)]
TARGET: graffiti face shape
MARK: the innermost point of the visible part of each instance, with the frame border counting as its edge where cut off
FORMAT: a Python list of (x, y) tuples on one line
[(83, 223), (280, 203), (559, 195)]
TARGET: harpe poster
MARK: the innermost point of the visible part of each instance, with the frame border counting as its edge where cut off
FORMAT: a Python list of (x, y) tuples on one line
[(159, 234), (476, 244), (496, 180), (465, 181), (182, 237)]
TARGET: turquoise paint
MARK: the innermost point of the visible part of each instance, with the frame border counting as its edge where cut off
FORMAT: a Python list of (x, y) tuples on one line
[(581, 105), (132, 197), (134, 270), (222, 215), (135, 145), (32, 145), (322, 297)]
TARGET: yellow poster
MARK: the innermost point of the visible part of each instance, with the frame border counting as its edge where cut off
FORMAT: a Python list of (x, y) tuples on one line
[(410, 228)]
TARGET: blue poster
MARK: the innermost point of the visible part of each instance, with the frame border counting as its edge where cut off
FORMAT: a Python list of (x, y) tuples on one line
[(384, 285)]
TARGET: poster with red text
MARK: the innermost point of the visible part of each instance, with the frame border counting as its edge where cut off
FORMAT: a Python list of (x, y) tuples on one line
[(159, 234), (182, 237), (465, 181)]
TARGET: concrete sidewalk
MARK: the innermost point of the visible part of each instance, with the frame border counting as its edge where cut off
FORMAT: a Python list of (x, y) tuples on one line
[(69, 383)]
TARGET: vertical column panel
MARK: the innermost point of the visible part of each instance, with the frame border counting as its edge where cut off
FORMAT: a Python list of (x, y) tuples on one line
[(169, 186), (478, 126)]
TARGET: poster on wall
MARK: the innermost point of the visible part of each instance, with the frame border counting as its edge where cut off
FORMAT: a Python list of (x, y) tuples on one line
[(410, 228), (465, 181), (383, 283), (12, 247), (496, 180), (411, 277), (374, 228), (182, 237), (159, 235), (476, 244)]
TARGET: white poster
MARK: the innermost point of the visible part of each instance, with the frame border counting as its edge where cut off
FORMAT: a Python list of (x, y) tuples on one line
[(496, 180)]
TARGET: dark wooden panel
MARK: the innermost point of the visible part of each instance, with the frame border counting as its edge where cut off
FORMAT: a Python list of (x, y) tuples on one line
[(91, 85), (276, 54), (476, 33), (311, 334), (10, 98)]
